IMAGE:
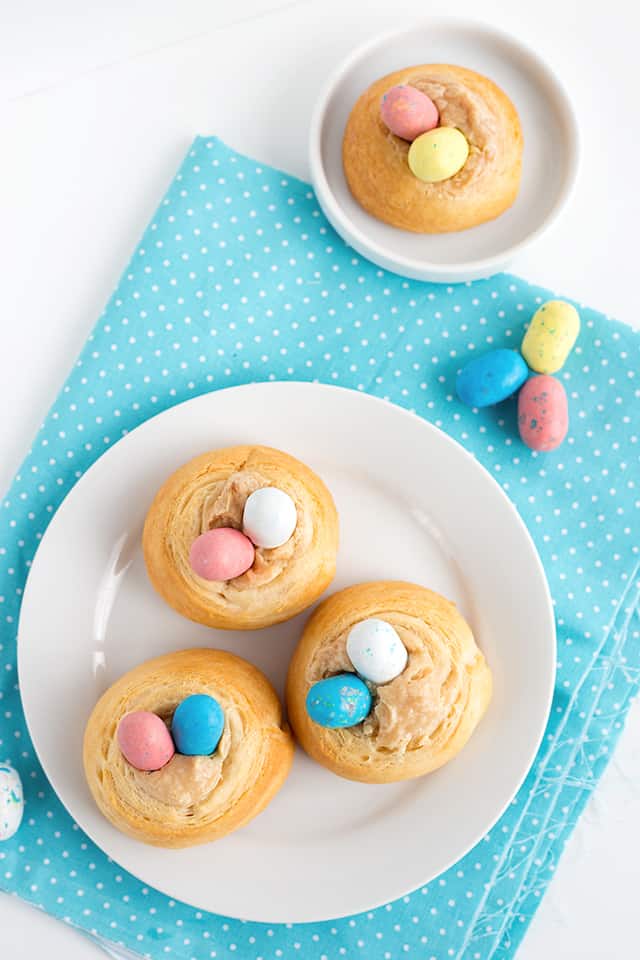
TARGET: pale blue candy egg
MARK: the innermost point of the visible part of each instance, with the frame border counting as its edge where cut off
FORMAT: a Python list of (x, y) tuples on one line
[(11, 801), (340, 701), (492, 377), (197, 725)]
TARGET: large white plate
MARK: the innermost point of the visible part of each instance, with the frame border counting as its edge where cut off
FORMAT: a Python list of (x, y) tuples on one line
[(413, 504)]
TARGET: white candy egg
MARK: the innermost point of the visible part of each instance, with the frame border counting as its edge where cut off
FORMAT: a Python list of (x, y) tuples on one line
[(376, 651), (11, 801), (269, 517)]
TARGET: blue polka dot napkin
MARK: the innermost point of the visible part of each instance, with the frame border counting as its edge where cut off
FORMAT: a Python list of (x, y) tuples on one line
[(240, 278)]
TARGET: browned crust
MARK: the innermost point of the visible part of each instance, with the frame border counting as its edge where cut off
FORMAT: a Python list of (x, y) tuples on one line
[(182, 673), (307, 577), (378, 174), (341, 750)]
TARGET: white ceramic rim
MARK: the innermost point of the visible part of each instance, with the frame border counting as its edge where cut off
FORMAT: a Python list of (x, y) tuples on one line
[(527, 758), (451, 272)]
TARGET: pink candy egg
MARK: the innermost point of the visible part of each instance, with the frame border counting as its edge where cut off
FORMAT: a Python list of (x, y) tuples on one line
[(145, 740), (221, 554), (543, 413), (408, 112)]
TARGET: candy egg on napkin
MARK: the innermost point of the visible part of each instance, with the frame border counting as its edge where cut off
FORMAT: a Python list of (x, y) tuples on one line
[(491, 378), (11, 801), (543, 413), (340, 701), (197, 725), (551, 335), (376, 651)]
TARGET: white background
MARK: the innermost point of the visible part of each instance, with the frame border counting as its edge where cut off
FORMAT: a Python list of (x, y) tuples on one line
[(99, 103)]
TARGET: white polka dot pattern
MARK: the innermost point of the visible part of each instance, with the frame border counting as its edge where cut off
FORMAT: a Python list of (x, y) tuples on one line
[(239, 278)]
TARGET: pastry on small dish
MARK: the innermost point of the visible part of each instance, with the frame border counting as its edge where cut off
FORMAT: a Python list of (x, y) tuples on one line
[(241, 538), (433, 149), (187, 747), (386, 683)]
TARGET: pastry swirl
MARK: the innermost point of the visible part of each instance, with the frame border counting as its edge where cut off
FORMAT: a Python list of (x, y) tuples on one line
[(419, 720), (211, 491), (375, 161), (192, 799)]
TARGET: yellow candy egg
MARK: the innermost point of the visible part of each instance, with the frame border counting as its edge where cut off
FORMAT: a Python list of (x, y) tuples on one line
[(438, 154), (551, 335)]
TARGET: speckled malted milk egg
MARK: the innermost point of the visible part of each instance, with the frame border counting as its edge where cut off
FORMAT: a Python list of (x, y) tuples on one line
[(11, 801), (340, 701), (269, 517), (438, 154), (491, 377), (407, 112), (376, 651), (543, 413), (221, 554), (551, 335), (145, 740), (197, 725)]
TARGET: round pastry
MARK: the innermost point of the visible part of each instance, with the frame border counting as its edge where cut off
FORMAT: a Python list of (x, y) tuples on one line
[(241, 538), (379, 166), (191, 798), (435, 686)]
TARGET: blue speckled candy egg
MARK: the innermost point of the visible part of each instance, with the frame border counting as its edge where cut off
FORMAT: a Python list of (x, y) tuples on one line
[(340, 701), (11, 801), (197, 725), (491, 378)]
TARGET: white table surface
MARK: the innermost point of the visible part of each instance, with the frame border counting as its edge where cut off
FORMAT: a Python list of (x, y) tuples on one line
[(100, 103)]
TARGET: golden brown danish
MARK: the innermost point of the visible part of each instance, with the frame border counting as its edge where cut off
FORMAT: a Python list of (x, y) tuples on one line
[(213, 493), (418, 720), (376, 161), (190, 799)]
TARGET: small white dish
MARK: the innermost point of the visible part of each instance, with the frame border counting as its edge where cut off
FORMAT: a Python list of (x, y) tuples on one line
[(550, 159), (413, 505)]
